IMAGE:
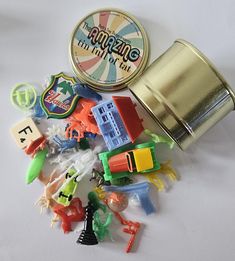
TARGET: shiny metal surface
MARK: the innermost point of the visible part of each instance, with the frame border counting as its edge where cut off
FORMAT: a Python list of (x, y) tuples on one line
[(184, 93)]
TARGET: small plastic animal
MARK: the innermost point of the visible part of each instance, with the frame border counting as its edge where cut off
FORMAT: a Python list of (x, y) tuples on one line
[(65, 144), (81, 120), (100, 228), (84, 91), (99, 178)]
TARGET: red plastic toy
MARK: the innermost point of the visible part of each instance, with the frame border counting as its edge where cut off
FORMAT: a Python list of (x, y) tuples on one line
[(132, 228), (129, 116), (35, 146), (72, 213)]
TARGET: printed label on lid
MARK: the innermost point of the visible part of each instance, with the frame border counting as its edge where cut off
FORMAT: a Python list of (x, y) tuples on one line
[(108, 48)]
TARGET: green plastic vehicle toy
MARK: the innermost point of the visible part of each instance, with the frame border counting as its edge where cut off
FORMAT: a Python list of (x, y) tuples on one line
[(69, 188), (133, 159)]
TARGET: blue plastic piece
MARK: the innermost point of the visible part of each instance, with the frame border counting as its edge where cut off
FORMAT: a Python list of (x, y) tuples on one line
[(140, 190), (38, 112), (65, 144), (84, 91), (110, 125), (90, 135), (86, 134)]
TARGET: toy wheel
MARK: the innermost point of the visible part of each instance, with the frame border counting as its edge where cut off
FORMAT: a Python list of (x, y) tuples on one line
[(60, 194), (67, 175), (70, 197), (75, 178)]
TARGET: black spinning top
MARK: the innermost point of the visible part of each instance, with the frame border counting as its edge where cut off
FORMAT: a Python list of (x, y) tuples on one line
[(88, 237)]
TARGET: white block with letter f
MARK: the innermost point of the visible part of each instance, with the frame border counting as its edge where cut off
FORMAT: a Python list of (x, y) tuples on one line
[(25, 132)]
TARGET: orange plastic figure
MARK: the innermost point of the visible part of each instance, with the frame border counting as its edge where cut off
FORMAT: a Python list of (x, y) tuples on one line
[(82, 120)]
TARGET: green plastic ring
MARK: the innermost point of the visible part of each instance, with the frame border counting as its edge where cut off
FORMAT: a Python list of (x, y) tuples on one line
[(23, 103)]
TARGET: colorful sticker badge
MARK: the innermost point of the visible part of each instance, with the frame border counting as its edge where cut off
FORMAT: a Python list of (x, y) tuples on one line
[(59, 99), (108, 49)]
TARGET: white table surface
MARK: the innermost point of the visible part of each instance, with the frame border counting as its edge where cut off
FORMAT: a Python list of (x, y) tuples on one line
[(195, 218)]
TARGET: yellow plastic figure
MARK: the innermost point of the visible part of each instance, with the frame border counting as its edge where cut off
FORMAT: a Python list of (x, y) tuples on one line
[(155, 180), (166, 169), (100, 193)]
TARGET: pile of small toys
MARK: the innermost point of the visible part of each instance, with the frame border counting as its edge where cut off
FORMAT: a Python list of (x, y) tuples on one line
[(95, 138)]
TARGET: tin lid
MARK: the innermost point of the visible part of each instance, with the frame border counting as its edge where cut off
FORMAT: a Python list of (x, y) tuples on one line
[(108, 49)]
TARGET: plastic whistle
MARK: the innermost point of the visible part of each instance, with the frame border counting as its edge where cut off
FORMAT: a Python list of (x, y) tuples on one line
[(140, 190)]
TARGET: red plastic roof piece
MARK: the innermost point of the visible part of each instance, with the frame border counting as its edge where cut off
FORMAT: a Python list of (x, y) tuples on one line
[(129, 116)]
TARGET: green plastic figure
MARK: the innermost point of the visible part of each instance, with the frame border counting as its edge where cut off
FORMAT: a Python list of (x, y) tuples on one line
[(122, 181), (160, 138), (92, 197), (102, 229), (84, 144), (36, 166)]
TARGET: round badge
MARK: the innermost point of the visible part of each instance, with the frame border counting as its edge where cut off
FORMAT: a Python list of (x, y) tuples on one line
[(23, 96), (108, 49)]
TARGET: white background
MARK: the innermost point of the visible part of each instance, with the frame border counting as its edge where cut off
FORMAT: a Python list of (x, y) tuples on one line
[(195, 218)]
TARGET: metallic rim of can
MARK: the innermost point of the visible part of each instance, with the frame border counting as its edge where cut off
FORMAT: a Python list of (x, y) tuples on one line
[(123, 84), (210, 64), (148, 109)]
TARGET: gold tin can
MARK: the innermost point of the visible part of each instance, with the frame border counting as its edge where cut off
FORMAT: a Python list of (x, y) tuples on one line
[(184, 93), (109, 48)]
